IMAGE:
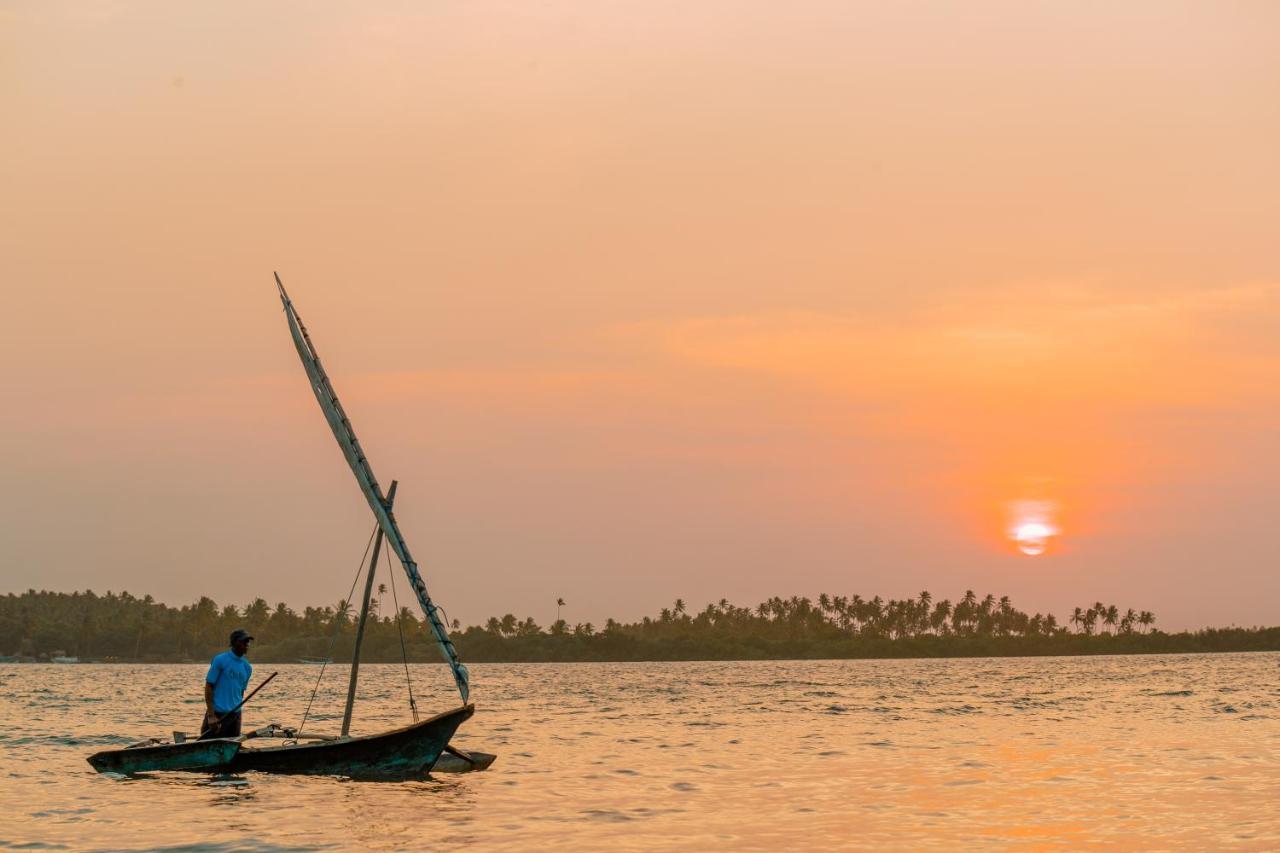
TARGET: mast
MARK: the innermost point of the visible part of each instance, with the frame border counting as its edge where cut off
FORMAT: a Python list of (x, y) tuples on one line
[(350, 445), (364, 617)]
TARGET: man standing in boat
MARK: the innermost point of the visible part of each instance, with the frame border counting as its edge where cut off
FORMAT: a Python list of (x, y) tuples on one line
[(224, 688)]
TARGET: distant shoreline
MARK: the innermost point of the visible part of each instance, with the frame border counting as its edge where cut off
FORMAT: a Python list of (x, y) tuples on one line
[(503, 651), (1269, 645), (365, 661), (122, 628)]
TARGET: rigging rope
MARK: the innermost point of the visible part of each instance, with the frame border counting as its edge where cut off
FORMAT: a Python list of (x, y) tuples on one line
[(337, 629), (404, 653)]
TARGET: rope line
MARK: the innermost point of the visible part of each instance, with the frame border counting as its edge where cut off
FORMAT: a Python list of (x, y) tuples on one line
[(337, 629), (404, 652)]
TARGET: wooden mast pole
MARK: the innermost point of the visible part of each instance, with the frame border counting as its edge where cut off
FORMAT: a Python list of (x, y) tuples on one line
[(364, 616)]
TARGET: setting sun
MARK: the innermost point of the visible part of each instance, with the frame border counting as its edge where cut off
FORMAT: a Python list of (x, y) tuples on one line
[(1032, 525), (1033, 538)]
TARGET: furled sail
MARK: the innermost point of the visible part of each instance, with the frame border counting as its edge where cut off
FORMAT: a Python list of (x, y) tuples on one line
[(350, 445)]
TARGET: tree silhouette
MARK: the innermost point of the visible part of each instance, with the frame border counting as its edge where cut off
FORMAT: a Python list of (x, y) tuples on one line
[(1110, 616), (122, 626)]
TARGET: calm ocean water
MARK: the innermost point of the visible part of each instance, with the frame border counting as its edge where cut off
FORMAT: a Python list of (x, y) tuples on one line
[(1152, 751)]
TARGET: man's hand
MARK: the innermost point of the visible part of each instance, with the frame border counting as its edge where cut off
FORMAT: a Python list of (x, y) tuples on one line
[(210, 716)]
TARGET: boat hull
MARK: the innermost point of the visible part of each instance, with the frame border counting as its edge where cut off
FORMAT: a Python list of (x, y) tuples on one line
[(409, 751), (192, 755)]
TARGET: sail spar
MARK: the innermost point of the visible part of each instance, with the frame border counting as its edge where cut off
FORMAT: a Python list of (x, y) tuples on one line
[(350, 445)]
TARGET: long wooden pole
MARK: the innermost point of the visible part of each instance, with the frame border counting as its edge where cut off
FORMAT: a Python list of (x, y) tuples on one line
[(364, 616), (265, 682)]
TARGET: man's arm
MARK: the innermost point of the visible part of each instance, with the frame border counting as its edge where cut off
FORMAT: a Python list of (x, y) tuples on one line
[(210, 715)]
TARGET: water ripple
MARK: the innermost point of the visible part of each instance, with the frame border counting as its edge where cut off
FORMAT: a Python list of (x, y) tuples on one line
[(1115, 751)]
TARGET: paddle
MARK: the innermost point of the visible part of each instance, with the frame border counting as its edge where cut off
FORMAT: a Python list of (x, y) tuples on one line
[(453, 750)]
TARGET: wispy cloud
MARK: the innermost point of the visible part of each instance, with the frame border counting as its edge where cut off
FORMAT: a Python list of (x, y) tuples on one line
[(1056, 346)]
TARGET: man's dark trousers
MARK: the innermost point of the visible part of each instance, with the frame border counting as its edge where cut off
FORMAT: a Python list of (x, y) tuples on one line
[(229, 726)]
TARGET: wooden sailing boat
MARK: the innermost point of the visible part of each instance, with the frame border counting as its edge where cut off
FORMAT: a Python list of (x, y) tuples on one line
[(413, 749)]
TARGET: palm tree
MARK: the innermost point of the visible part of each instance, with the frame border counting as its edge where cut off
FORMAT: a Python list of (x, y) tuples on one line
[(875, 615), (1110, 616), (559, 604), (1007, 616), (941, 612), (962, 616), (1077, 618), (840, 608), (922, 611), (1146, 619), (344, 608), (858, 611)]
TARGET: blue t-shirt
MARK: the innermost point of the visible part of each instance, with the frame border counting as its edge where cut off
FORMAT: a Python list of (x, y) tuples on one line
[(229, 675)]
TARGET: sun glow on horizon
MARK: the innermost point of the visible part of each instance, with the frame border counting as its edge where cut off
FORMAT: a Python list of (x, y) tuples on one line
[(1031, 527)]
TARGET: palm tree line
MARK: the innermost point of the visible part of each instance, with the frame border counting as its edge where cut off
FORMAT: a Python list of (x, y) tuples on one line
[(855, 616), (128, 627), (121, 626)]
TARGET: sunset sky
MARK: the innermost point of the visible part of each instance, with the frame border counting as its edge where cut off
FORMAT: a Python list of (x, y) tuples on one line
[(646, 300)]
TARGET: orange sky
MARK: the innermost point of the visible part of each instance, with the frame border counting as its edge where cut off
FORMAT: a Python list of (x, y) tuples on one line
[(639, 300)]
